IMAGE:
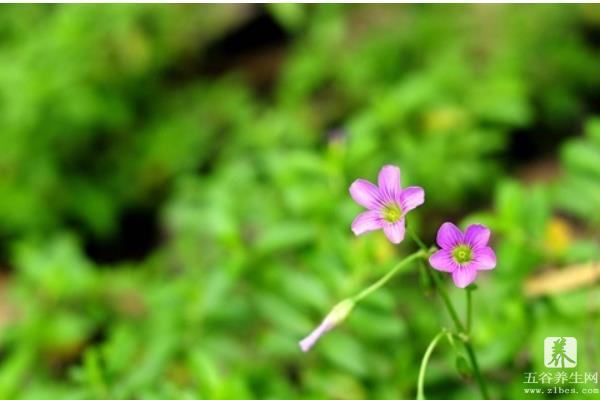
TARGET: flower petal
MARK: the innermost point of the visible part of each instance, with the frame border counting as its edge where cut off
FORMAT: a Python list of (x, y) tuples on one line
[(365, 193), (442, 261), (389, 181), (463, 276), (311, 339), (395, 231), (411, 197), (449, 236), (485, 258), (477, 236), (367, 221)]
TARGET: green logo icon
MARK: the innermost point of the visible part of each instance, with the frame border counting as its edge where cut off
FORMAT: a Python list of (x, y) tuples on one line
[(560, 352)]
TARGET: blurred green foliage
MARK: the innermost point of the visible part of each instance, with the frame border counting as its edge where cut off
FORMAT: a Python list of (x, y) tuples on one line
[(241, 241)]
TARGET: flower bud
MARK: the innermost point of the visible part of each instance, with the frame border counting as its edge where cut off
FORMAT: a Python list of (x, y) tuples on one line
[(335, 317)]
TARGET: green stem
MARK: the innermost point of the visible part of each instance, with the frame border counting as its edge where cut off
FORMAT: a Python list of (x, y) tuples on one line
[(423, 247), (383, 280), (476, 371), (416, 239), (463, 334), (424, 361), (451, 310), (464, 337), (469, 308)]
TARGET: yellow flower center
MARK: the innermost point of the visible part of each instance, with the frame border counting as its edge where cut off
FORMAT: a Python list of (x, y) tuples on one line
[(462, 254), (392, 212)]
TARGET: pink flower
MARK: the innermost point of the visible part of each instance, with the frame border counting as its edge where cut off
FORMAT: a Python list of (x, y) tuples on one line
[(463, 255), (387, 204)]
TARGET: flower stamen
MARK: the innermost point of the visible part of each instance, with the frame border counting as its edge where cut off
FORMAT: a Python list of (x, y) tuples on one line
[(391, 212), (462, 254)]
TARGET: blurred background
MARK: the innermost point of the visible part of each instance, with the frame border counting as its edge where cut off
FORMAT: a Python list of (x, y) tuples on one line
[(174, 208)]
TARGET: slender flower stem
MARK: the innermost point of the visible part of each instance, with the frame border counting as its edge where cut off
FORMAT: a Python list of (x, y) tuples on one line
[(416, 238), (451, 310), (469, 312), (464, 337), (424, 361), (383, 280), (423, 247), (476, 371), (463, 334)]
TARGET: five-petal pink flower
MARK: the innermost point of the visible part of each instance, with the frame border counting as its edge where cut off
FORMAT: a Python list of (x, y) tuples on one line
[(387, 204), (463, 255)]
